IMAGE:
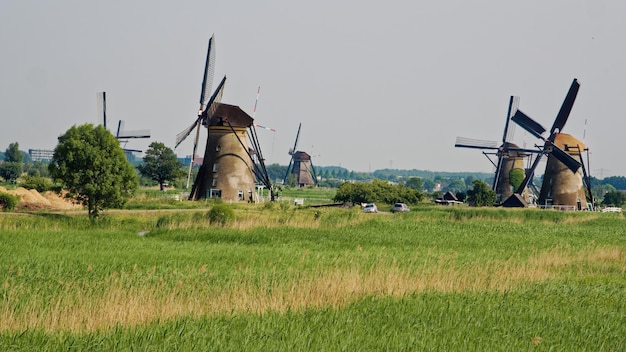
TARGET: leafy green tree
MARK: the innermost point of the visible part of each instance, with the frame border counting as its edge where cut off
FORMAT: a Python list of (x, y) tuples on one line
[(13, 166), (161, 164), (429, 184), (11, 171), (415, 183), (600, 190), (93, 168), (36, 168), (456, 185), (354, 192), (480, 194), (276, 172), (13, 154), (516, 177), (614, 199)]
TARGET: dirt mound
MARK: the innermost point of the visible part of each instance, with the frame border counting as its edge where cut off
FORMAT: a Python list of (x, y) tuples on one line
[(30, 199)]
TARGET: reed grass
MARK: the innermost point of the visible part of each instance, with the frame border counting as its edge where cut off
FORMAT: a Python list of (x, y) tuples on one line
[(72, 282)]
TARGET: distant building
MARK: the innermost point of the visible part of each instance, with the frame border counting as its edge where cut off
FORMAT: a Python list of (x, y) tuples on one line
[(40, 154)]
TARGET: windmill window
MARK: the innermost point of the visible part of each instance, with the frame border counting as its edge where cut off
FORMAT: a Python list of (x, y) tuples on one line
[(215, 193), (214, 182), (216, 167), (240, 195), (218, 148)]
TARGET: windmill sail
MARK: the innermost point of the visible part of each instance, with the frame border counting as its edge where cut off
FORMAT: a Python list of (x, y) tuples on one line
[(553, 150)]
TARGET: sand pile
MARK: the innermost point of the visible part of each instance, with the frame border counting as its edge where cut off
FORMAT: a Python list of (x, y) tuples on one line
[(30, 199)]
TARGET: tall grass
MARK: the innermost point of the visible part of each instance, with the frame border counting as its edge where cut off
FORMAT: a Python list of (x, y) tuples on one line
[(322, 279)]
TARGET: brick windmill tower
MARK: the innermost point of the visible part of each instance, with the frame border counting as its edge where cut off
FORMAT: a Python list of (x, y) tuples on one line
[(233, 163), (565, 181)]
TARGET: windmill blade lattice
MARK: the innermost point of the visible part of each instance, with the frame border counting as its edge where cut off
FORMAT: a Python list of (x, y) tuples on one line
[(207, 80), (566, 108), (463, 142)]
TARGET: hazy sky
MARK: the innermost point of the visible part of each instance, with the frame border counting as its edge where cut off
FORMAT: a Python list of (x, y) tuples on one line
[(375, 84)]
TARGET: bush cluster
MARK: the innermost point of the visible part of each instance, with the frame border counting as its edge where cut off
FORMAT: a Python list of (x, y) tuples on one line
[(377, 191), (41, 184), (8, 201), (221, 214)]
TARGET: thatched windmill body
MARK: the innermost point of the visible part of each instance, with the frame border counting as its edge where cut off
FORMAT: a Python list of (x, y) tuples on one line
[(231, 167), (565, 177)]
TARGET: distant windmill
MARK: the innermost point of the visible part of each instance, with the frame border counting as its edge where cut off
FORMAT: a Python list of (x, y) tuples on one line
[(563, 179), (509, 155), (300, 165), (230, 167), (121, 135)]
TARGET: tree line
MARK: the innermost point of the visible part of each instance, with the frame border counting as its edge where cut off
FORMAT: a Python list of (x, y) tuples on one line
[(89, 163)]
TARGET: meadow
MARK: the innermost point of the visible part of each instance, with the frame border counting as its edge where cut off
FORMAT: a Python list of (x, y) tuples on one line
[(326, 279)]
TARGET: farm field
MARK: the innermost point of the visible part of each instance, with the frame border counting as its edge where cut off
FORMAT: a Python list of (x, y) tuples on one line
[(297, 278)]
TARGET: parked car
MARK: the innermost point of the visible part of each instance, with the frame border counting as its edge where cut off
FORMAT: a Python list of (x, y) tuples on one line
[(400, 207), (370, 208)]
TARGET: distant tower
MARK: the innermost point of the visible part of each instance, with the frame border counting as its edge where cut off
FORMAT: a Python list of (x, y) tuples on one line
[(230, 167), (227, 170), (300, 165), (560, 185), (510, 158), (302, 168)]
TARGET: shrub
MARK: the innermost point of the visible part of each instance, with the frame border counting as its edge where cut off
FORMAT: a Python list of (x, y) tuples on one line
[(41, 184), (221, 214), (8, 201), (481, 195)]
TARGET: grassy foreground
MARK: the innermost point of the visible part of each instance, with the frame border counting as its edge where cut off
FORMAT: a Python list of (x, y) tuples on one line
[(314, 279)]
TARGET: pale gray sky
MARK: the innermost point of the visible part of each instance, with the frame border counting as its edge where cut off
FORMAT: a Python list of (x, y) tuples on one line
[(375, 84)]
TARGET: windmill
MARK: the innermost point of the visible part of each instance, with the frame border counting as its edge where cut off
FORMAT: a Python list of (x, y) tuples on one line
[(563, 179), (229, 167), (121, 135), (208, 104), (509, 156), (300, 165)]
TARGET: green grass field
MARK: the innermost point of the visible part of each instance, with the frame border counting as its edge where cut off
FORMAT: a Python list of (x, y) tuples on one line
[(293, 278)]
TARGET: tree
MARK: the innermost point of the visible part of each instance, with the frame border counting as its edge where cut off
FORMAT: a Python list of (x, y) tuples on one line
[(456, 185), (10, 170), (614, 199), (481, 194), (292, 180), (516, 177), (12, 167), (415, 183), (161, 164), (429, 185), (13, 154), (93, 168), (600, 190)]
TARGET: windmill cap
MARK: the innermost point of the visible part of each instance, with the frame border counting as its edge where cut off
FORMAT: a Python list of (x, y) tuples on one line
[(569, 143)]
